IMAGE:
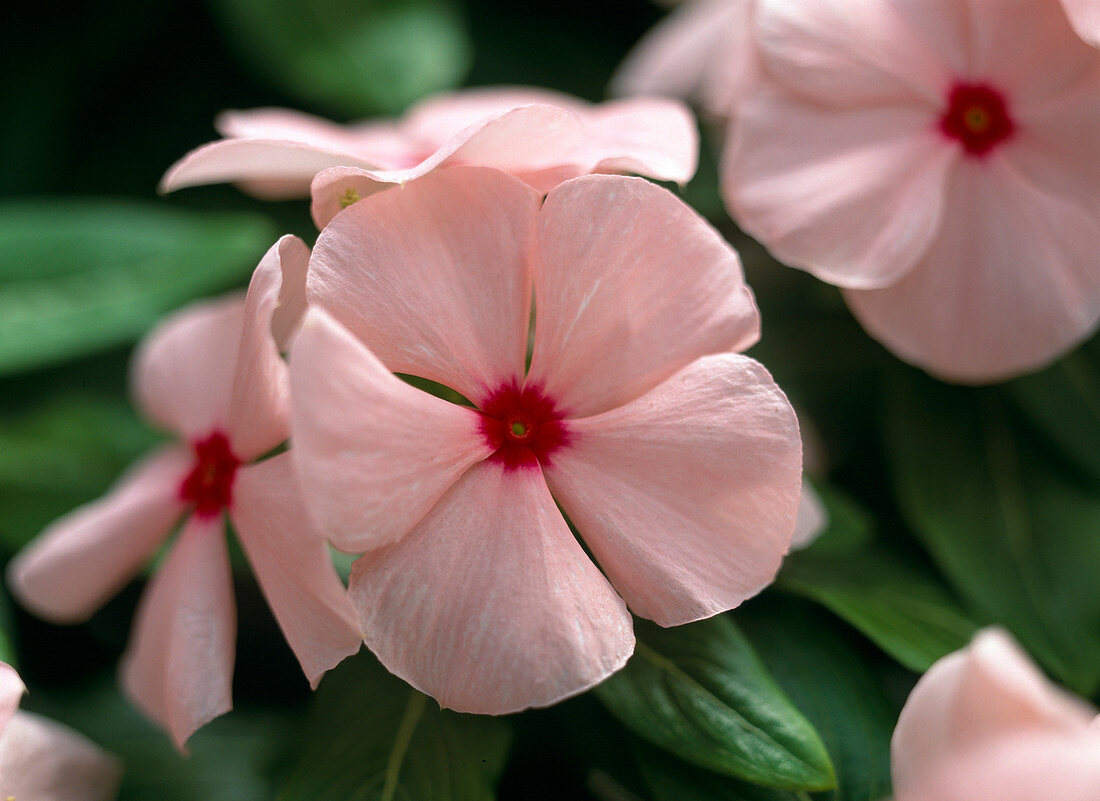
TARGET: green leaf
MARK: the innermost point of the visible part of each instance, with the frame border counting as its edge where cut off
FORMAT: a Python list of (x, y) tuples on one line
[(848, 528), (7, 651), (899, 607), (371, 737), (700, 692), (84, 275), (353, 58), (672, 779), (1014, 533), (830, 681), (61, 455)]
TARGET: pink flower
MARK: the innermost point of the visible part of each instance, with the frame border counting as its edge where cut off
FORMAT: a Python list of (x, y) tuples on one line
[(677, 459), (940, 161), (1084, 15), (41, 760), (540, 136), (984, 725), (211, 374)]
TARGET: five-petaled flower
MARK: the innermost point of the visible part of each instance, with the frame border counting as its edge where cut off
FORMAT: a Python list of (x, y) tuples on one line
[(677, 458), (983, 724), (940, 161), (213, 375), (542, 137)]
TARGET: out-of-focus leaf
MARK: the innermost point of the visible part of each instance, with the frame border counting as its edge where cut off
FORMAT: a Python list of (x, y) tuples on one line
[(1063, 401), (848, 527), (60, 455), (829, 681), (672, 779), (232, 758), (371, 736), (7, 652), (1013, 532), (353, 58), (700, 692), (84, 275), (904, 611)]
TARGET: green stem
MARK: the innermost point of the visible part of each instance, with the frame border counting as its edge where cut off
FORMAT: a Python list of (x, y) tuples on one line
[(413, 710)]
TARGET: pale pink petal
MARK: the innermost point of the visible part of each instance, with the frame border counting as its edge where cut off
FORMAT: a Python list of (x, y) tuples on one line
[(11, 693), (847, 53), (490, 605), (631, 285), (178, 667), (83, 559), (812, 517), (1003, 32), (293, 567), (259, 406), (41, 760), (183, 372), (654, 137), (434, 277), (971, 699), (687, 496), (1009, 284), (373, 454), (381, 143), (856, 203), (1084, 15), (291, 305)]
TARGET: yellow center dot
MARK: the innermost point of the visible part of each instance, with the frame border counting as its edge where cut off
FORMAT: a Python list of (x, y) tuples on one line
[(519, 429), (976, 119), (348, 197)]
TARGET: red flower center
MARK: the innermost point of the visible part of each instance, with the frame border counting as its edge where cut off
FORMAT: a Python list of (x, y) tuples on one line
[(209, 485), (977, 116), (524, 426)]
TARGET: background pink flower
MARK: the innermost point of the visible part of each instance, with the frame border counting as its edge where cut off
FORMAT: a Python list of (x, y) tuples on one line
[(984, 725), (211, 374), (939, 160), (677, 459), (543, 137)]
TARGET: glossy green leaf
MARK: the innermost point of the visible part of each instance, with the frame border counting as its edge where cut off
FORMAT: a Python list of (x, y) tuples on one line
[(371, 737), (902, 609), (672, 779), (62, 454), (355, 59), (700, 692), (1013, 531), (83, 275), (832, 683)]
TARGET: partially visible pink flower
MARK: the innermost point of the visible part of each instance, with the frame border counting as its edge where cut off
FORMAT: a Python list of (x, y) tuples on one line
[(702, 52), (1085, 17), (211, 374), (539, 136), (677, 459), (41, 760), (940, 161), (984, 725)]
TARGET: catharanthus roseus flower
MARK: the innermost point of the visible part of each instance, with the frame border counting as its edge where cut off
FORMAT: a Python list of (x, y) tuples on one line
[(540, 136), (677, 459), (940, 161), (211, 374), (984, 725), (41, 760)]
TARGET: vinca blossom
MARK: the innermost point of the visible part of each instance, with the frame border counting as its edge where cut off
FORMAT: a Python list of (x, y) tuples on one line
[(211, 374), (543, 137), (984, 725), (41, 760), (940, 161), (677, 459)]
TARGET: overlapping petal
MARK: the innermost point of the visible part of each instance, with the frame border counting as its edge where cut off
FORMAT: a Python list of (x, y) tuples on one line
[(490, 605), (655, 137), (1084, 15), (41, 760), (1008, 284), (84, 558), (630, 286), (293, 567), (11, 693), (178, 668), (373, 454), (687, 496), (434, 277), (183, 371), (858, 203)]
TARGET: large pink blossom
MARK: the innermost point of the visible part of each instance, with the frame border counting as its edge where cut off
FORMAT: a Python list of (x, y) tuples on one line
[(41, 760), (212, 375), (940, 161), (677, 459), (984, 725), (540, 136)]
